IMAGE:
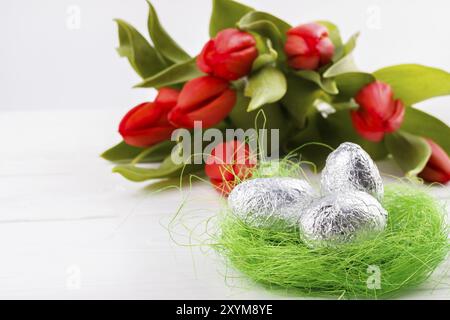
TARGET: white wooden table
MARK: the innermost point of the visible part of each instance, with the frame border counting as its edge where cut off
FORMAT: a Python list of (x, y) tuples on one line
[(69, 228)]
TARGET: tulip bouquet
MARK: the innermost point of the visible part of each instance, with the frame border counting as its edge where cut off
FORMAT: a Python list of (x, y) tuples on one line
[(303, 79)]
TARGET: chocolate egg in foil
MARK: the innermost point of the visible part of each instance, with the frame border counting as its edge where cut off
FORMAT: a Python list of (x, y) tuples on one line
[(275, 203), (349, 168), (341, 218)]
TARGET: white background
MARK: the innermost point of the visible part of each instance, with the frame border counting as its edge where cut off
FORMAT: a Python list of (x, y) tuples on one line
[(71, 229)]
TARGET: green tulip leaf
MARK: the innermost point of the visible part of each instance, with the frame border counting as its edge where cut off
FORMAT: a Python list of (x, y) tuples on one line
[(427, 126), (266, 86), (144, 59), (338, 128), (350, 45), (156, 153), (299, 99), (177, 73), (345, 65), (167, 169), (349, 84), (124, 153), (343, 59), (266, 29), (225, 14), (121, 152), (410, 152), (162, 41), (327, 85), (256, 16), (267, 55), (413, 83)]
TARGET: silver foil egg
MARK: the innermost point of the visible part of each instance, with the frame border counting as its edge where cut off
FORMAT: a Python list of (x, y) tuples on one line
[(349, 168), (271, 202), (341, 218)]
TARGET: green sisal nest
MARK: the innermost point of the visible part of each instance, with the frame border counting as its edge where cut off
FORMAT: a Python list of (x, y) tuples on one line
[(414, 243)]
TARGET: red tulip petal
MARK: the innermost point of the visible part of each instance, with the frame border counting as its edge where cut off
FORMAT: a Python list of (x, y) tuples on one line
[(304, 62), (308, 46), (148, 137), (219, 164), (179, 119), (295, 46), (232, 40), (167, 98), (229, 56), (233, 66), (311, 30), (326, 50), (217, 110), (209, 115), (439, 159), (228, 164), (395, 121), (204, 57), (140, 117), (432, 175), (376, 99), (233, 158), (219, 172), (366, 131), (199, 91)]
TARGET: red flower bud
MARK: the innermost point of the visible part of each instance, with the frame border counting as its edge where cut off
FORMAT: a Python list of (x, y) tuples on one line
[(229, 164), (379, 113), (206, 99), (229, 56), (147, 124), (308, 47), (438, 167)]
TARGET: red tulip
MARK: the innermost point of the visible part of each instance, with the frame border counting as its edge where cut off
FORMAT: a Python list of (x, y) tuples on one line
[(147, 124), (229, 164), (206, 99), (229, 56), (379, 113), (438, 167), (308, 47)]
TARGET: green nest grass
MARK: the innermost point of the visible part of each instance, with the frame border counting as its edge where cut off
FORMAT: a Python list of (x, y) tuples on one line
[(414, 243)]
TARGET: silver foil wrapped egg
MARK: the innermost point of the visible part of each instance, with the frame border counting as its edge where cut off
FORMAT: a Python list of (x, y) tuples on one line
[(271, 202), (341, 218), (350, 168)]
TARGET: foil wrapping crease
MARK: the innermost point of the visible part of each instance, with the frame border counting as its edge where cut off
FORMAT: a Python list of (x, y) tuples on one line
[(271, 202), (341, 218), (350, 168)]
